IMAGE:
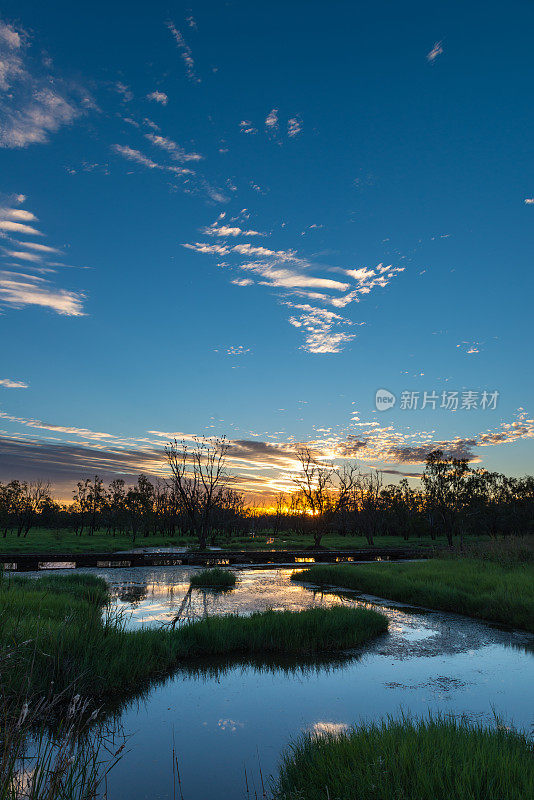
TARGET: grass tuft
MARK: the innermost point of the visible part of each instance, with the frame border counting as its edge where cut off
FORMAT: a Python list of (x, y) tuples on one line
[(433, 759), (216, 578), (476, 588)]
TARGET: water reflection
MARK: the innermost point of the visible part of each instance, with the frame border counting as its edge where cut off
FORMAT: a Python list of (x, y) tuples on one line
[(224, 716), (301, 667)]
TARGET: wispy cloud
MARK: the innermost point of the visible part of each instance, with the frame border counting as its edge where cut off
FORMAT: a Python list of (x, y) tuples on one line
[(185, 50), (19, 291), (366, 280), (255, 251), (174, 149), (290, 279), (242, 282), (436, 51), (158, 97), (272, 124), (7, 383), (260, 467), (134, 155), (294, 127), (18, 227), (321, 329), (17, 214), (470, 348), (387, 445), (131, 154), (124, 91), (271, 121), (22, 255), (218, 228), (41, 248), (215, 194), (34, 103), (238, 350), (85, 433), (529, 201), (246, 126), (325, 331)]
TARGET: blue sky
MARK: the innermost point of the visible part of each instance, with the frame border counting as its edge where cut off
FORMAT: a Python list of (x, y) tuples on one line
[(246, 218)]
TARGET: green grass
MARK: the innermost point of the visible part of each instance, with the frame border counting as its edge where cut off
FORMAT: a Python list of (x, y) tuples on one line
[(55, 625), (216, 578), (41, 540), (434, 759), (292, 541), (315, 630), (477, 588)]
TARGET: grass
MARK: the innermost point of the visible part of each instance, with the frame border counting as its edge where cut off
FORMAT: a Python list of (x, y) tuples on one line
[(42, 540), (474, 587), (45, 540), (213, 579), (315, 630), (56, 625), (291, 541), (433, 759)]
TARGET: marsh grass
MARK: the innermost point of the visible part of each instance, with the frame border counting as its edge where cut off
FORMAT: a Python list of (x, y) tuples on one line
[(63, 640), (54, 747), (502, 593), (68, 761), (314, 630), (216, 578), (433, 759), (504, 550)]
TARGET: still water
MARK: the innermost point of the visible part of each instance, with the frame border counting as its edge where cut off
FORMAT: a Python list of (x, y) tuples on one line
[(225, 719)]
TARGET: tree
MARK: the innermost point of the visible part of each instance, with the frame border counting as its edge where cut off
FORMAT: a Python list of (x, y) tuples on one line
[(314, 484), (446, 483), (199, 478), (81, 502), (117, 504)]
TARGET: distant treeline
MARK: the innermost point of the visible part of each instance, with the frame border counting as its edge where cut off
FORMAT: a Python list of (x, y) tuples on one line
[(199, 500)]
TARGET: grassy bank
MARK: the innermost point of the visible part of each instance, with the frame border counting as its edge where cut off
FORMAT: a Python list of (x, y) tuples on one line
[(477, 588), (213, 579), (42, 540), (55, 624), (438, 759)]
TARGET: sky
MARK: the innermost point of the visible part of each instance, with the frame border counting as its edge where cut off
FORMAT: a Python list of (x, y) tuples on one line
[(246, 219)]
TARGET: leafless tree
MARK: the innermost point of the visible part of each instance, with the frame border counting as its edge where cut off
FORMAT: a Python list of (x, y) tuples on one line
[(315, 485), (369, 489), (31, 498), (199, 478)]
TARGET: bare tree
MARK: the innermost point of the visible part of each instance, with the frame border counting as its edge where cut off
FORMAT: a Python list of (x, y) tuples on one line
[(199, 478), (315, 484), (33, 496), (369, 489)]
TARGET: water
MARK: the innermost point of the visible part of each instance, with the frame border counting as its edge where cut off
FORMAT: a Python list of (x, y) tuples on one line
[(226, 718)]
